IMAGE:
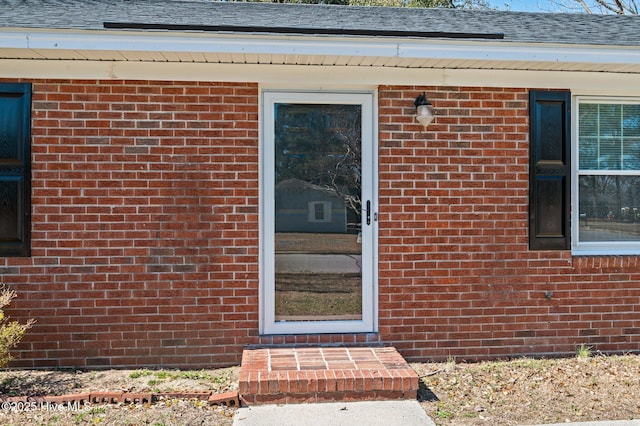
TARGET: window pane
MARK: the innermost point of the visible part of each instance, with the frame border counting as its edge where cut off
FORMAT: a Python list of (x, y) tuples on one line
[(588, 154), (631, 120), (610, 132), (609, 137), (609, 208), (610, 120), (319, 213), (588, 120), (610, 155), (631, 157)]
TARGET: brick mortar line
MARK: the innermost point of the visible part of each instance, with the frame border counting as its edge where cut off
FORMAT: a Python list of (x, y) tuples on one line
[(324, 359), (375, 355), (353, 362), (295, 355)]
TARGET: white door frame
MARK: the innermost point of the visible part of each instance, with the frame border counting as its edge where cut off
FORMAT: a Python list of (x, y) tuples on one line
[(369, 321)]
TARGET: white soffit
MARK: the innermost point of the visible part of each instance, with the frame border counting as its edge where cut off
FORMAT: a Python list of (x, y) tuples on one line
[(322, 77)]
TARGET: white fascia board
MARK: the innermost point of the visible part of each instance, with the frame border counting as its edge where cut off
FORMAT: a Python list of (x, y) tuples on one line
[(321, 77), (316, 45)]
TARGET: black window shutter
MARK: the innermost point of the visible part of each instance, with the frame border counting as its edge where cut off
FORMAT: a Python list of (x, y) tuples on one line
[(15, 169), (549, 170)]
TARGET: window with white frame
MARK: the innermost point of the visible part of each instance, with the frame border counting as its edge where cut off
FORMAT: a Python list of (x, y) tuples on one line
[(319, 211), (606, 200)]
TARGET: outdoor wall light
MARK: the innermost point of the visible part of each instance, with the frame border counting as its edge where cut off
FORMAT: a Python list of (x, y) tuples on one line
[(424, 110)]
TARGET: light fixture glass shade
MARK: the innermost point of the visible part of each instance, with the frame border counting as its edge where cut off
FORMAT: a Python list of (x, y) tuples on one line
[(424, 114)]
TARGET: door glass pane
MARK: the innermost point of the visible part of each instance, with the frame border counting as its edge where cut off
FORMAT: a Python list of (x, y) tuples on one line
[(318, 255)]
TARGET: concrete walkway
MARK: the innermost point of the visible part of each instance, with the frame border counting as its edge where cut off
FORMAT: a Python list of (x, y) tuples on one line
[(367, 413)]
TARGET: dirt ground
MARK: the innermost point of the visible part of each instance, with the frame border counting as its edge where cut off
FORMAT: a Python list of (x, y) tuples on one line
[(519, 392), (163, 413), (531, 391)]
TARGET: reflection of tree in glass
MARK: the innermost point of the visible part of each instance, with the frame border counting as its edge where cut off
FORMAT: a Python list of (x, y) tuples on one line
[(321, 144), (602, 196)]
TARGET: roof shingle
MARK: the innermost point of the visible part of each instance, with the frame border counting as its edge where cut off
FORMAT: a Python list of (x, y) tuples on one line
[(613, 30)]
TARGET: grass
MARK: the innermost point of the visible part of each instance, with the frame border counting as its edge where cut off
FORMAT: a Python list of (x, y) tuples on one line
[(81, 417), (140, 373), (163, 376), (443, 412), (583, 351), (156, 378)]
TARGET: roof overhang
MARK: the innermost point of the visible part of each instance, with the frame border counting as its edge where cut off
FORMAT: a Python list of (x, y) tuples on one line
[(391, 59), (313, 50)]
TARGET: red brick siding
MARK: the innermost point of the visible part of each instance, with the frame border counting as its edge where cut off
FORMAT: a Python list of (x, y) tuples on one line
[(456, 275), (145, 232), (145, 236)]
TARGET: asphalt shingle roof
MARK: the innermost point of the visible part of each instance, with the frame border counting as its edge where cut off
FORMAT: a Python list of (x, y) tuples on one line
[(516, 26)]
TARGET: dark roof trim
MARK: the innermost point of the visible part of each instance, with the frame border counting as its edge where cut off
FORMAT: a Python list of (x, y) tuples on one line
[(305, 31)]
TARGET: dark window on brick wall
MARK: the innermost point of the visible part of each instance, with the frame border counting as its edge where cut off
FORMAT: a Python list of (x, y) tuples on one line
[(15, 169)]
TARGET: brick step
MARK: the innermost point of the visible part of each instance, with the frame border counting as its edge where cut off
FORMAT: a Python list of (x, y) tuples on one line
[(324, 374)]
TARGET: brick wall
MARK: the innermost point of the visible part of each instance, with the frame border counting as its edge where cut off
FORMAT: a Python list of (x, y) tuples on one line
[(145, 232), (144, 242), (456, 275)]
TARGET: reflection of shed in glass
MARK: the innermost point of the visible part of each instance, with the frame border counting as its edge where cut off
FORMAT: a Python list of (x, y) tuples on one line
[(305, 207)]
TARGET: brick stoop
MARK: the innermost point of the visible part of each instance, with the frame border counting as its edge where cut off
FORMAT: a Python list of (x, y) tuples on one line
[(324, 374)]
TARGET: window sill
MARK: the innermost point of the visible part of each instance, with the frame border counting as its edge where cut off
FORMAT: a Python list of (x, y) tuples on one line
[(601, 251)]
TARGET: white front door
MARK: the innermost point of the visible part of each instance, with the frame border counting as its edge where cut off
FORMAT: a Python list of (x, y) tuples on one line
[(319, 215)]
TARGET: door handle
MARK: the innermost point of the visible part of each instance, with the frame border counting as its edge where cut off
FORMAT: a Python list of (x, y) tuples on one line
[(368, 212)]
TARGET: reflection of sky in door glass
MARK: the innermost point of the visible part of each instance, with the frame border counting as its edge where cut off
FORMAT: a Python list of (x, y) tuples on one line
[(317, 212)]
